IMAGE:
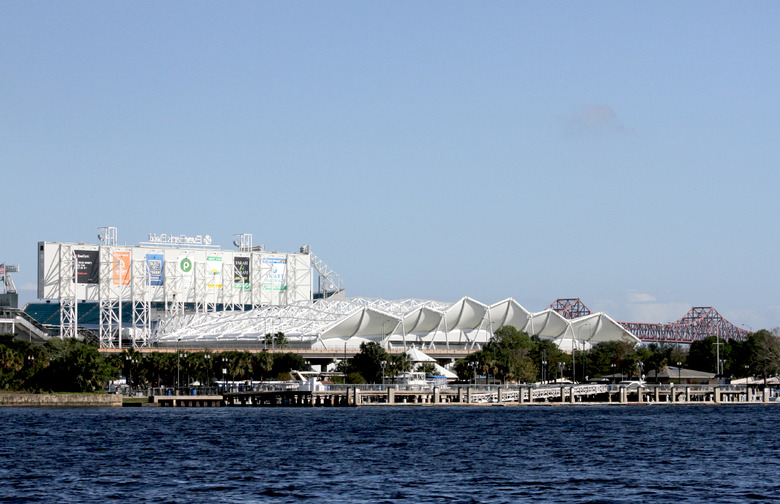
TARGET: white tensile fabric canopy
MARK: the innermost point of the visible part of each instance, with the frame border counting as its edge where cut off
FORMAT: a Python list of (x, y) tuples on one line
[(418, 357), (339, 323)]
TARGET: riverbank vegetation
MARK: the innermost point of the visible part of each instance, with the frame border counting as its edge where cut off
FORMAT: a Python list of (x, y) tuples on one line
[(512, 356), (75, 366)]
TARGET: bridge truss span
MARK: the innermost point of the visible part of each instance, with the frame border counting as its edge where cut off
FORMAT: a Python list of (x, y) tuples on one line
[(699, 323)]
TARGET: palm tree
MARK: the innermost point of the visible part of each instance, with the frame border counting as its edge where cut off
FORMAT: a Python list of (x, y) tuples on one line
[(427, 367), (281, 340), (240, 365), (397, 364), (262, 362), (131, 358)]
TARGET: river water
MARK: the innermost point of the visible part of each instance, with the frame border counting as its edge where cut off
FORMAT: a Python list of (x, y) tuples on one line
[(392, 454)]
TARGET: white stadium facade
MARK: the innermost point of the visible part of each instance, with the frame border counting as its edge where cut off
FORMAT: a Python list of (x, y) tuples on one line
[(184, 291)]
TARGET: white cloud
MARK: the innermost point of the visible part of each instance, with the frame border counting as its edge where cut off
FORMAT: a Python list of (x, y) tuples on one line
[(644, 307), (657, 313), (639, 297), (595, 120)]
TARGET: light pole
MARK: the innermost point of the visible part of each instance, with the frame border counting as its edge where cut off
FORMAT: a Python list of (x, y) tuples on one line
[(641, 367), (383, 364), (207, 358), (184, 355), (717, 354), (679, 373), (560, 370), (583, 362), (473, 365), (747, 382), (582, 355), (573, 365), (177, 364), (613, 366), (130, 363), (224, 370), (544, 370)]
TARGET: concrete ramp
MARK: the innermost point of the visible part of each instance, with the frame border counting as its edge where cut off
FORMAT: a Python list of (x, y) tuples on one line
[(14, 321)]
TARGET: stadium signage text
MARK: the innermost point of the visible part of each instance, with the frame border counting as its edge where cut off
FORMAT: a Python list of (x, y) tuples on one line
[(170, 239)]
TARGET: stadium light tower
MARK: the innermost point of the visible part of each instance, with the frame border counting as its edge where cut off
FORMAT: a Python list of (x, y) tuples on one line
[(8, 298), (243, 242), (107, 235), (5, 276)]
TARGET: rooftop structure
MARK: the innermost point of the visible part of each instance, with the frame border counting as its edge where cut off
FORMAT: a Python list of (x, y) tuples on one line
[(346, 323)]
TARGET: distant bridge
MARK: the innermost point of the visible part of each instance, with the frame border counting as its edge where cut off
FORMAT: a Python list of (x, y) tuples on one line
[(699, 323)]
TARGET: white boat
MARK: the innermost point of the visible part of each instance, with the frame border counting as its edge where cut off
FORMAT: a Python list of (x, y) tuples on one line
[(308, 381), (412, 380)]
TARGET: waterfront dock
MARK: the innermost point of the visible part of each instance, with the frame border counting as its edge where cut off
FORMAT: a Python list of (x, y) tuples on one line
[(466, 395), (190, 401)]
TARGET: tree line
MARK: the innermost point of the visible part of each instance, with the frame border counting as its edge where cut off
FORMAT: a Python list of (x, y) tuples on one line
[(69, 365), (511, 356), (514, 356)]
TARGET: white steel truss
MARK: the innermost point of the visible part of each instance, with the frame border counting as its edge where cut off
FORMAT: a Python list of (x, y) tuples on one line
[(173, 280), (109, 303), (255, 279), (234, 293), (228, 294), (69, 307), (330, 282), (142, 305), (202, 302)]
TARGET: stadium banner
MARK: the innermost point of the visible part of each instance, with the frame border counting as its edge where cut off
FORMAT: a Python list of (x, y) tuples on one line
[(214, 271), (87, 267), (155, 269), (277, 276), (120, 268), (241, 271), (186, 270)]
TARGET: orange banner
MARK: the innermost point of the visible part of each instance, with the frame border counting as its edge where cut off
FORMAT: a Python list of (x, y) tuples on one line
[(121, 268)]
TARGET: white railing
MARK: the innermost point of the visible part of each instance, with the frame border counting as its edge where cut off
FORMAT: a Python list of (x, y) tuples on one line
[(513, 395)]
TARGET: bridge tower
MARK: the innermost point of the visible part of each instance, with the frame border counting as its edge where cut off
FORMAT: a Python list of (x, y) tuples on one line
[(570, 308)]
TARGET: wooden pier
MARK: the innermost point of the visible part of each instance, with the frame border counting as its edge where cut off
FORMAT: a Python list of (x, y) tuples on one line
[(190, 401), (356, 395)]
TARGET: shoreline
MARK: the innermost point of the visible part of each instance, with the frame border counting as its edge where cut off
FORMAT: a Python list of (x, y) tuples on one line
[(64, 400), (26, 400)]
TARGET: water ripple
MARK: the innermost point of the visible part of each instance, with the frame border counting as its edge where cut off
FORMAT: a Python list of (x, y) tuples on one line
[(426, 455)]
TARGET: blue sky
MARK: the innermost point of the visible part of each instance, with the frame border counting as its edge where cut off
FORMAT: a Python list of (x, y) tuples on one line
[(622, 153)]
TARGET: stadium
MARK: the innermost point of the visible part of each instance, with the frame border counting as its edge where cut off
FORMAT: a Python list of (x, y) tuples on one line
[(175, 290)]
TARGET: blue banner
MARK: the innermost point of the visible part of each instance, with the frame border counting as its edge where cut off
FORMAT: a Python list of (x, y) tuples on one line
[(154, 264)]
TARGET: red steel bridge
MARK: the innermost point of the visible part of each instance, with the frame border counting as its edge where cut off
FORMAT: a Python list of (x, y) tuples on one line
[(697, 324)]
